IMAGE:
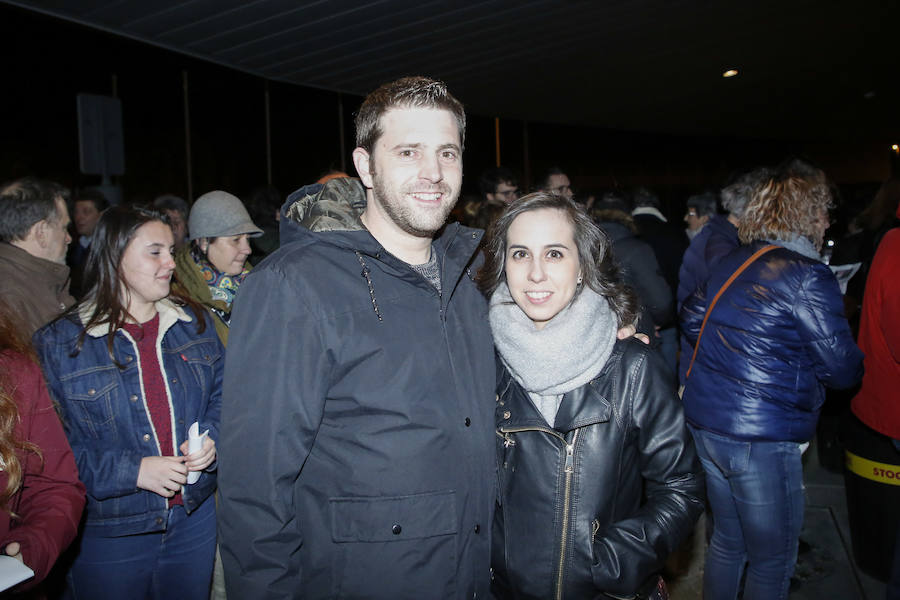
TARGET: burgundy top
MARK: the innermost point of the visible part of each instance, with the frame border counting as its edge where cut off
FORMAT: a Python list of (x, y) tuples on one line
[(154, 387), (51, 498)]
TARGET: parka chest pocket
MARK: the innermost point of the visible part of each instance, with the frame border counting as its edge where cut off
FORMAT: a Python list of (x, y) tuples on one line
[(90, 402)]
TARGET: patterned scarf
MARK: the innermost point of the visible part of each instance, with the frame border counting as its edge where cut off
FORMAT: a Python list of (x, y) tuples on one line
[(221, 286)]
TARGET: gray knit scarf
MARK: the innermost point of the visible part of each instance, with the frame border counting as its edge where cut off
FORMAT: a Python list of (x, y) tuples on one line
[(567, 353), (798, 243)]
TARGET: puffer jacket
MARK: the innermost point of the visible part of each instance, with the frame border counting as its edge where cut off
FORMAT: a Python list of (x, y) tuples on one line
[(358, 431), (107, 420), (775, 336), (712, 244), (591, 507)]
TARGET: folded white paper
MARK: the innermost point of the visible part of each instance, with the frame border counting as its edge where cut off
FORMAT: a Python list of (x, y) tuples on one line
[(844, 273), (12, 571), (195, 443)]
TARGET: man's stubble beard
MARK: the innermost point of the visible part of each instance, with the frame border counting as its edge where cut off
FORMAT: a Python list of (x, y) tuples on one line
[(420, 224)]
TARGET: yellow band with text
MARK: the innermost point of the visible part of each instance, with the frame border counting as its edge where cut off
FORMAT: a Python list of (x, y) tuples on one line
[(876, 471)]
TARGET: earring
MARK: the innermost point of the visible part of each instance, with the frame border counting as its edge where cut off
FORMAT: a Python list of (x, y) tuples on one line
[(578, 281)]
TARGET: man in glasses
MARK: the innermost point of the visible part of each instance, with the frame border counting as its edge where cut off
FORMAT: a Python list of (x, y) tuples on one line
[(700, 209), (555, 181), (498, 186)]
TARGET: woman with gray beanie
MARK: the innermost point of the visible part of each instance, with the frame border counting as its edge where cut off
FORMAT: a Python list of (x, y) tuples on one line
[(211, 269)]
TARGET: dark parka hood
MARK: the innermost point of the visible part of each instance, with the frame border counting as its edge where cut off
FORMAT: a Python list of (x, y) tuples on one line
[(336, 206), (330, 213), (333, 206), (334, 209)]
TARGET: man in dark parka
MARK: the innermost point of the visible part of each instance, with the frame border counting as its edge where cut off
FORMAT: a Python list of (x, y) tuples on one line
[(357, 425)]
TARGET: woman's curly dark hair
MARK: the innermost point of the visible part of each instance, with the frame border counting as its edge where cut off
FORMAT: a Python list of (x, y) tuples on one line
[(598, 269)]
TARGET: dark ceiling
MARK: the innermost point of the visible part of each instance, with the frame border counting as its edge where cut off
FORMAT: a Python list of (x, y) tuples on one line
[(808, 69)]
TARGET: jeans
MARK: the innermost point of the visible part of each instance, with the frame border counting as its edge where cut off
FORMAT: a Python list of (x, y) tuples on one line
[(755, 490), (176, 563)]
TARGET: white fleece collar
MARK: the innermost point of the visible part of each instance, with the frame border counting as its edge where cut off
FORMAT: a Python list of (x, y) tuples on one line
[(169, 314)]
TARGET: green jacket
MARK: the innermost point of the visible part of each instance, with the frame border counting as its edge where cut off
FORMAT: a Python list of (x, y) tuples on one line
[(189, 281)]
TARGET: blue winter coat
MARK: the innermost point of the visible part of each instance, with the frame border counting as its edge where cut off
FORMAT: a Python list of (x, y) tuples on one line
[(357, 446), (717, 238), (106, 417), (775, 336)]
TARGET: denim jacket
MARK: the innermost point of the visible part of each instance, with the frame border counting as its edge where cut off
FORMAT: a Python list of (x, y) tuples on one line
[(106, 417)]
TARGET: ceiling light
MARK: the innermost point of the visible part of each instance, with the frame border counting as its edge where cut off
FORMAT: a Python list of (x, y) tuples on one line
[(895, 148), (730, 73)]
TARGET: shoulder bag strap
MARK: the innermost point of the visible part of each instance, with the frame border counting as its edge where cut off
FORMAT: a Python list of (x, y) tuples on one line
[(724, 287)]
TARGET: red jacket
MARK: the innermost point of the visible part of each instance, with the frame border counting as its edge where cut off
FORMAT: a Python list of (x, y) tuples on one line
[(878, 402), (49, 503)]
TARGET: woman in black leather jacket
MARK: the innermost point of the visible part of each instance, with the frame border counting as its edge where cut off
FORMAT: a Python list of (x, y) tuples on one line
[(599, 480)]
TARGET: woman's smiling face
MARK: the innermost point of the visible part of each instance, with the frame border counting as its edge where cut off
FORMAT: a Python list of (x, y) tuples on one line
[(146, 267), (541, 264)]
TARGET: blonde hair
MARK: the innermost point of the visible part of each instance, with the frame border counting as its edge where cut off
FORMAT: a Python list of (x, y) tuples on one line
[(784, 205)]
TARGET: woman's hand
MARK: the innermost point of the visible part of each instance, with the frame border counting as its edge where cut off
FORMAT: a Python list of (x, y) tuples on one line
[(202, 458), (15, 550), (163, 475)]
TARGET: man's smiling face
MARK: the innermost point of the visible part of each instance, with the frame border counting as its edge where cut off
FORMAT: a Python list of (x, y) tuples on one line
[(415, 169)]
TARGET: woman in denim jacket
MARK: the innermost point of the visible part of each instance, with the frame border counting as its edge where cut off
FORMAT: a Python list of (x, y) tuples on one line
[(132, 369)]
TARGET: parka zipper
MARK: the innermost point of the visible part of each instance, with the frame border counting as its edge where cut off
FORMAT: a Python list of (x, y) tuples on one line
[(569, 470)]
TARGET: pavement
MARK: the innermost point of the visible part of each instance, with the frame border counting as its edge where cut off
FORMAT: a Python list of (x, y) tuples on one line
[(826, 571)]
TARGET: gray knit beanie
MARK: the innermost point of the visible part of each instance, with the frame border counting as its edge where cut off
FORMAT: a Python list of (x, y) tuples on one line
[(219, 214)]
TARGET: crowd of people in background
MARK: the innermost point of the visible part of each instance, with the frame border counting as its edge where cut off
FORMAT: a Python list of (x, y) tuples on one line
[(386, 365)]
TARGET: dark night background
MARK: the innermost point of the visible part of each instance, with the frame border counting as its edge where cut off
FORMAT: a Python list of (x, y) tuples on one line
[(47, 62)]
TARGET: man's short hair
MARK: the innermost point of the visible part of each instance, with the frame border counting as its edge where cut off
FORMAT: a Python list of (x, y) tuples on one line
[(704, 204), (94, 196), (736, 195), (543, 180), (645, 198), (408, 92), (25, 202), (491, 178), (171, 202), (614, 200)]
